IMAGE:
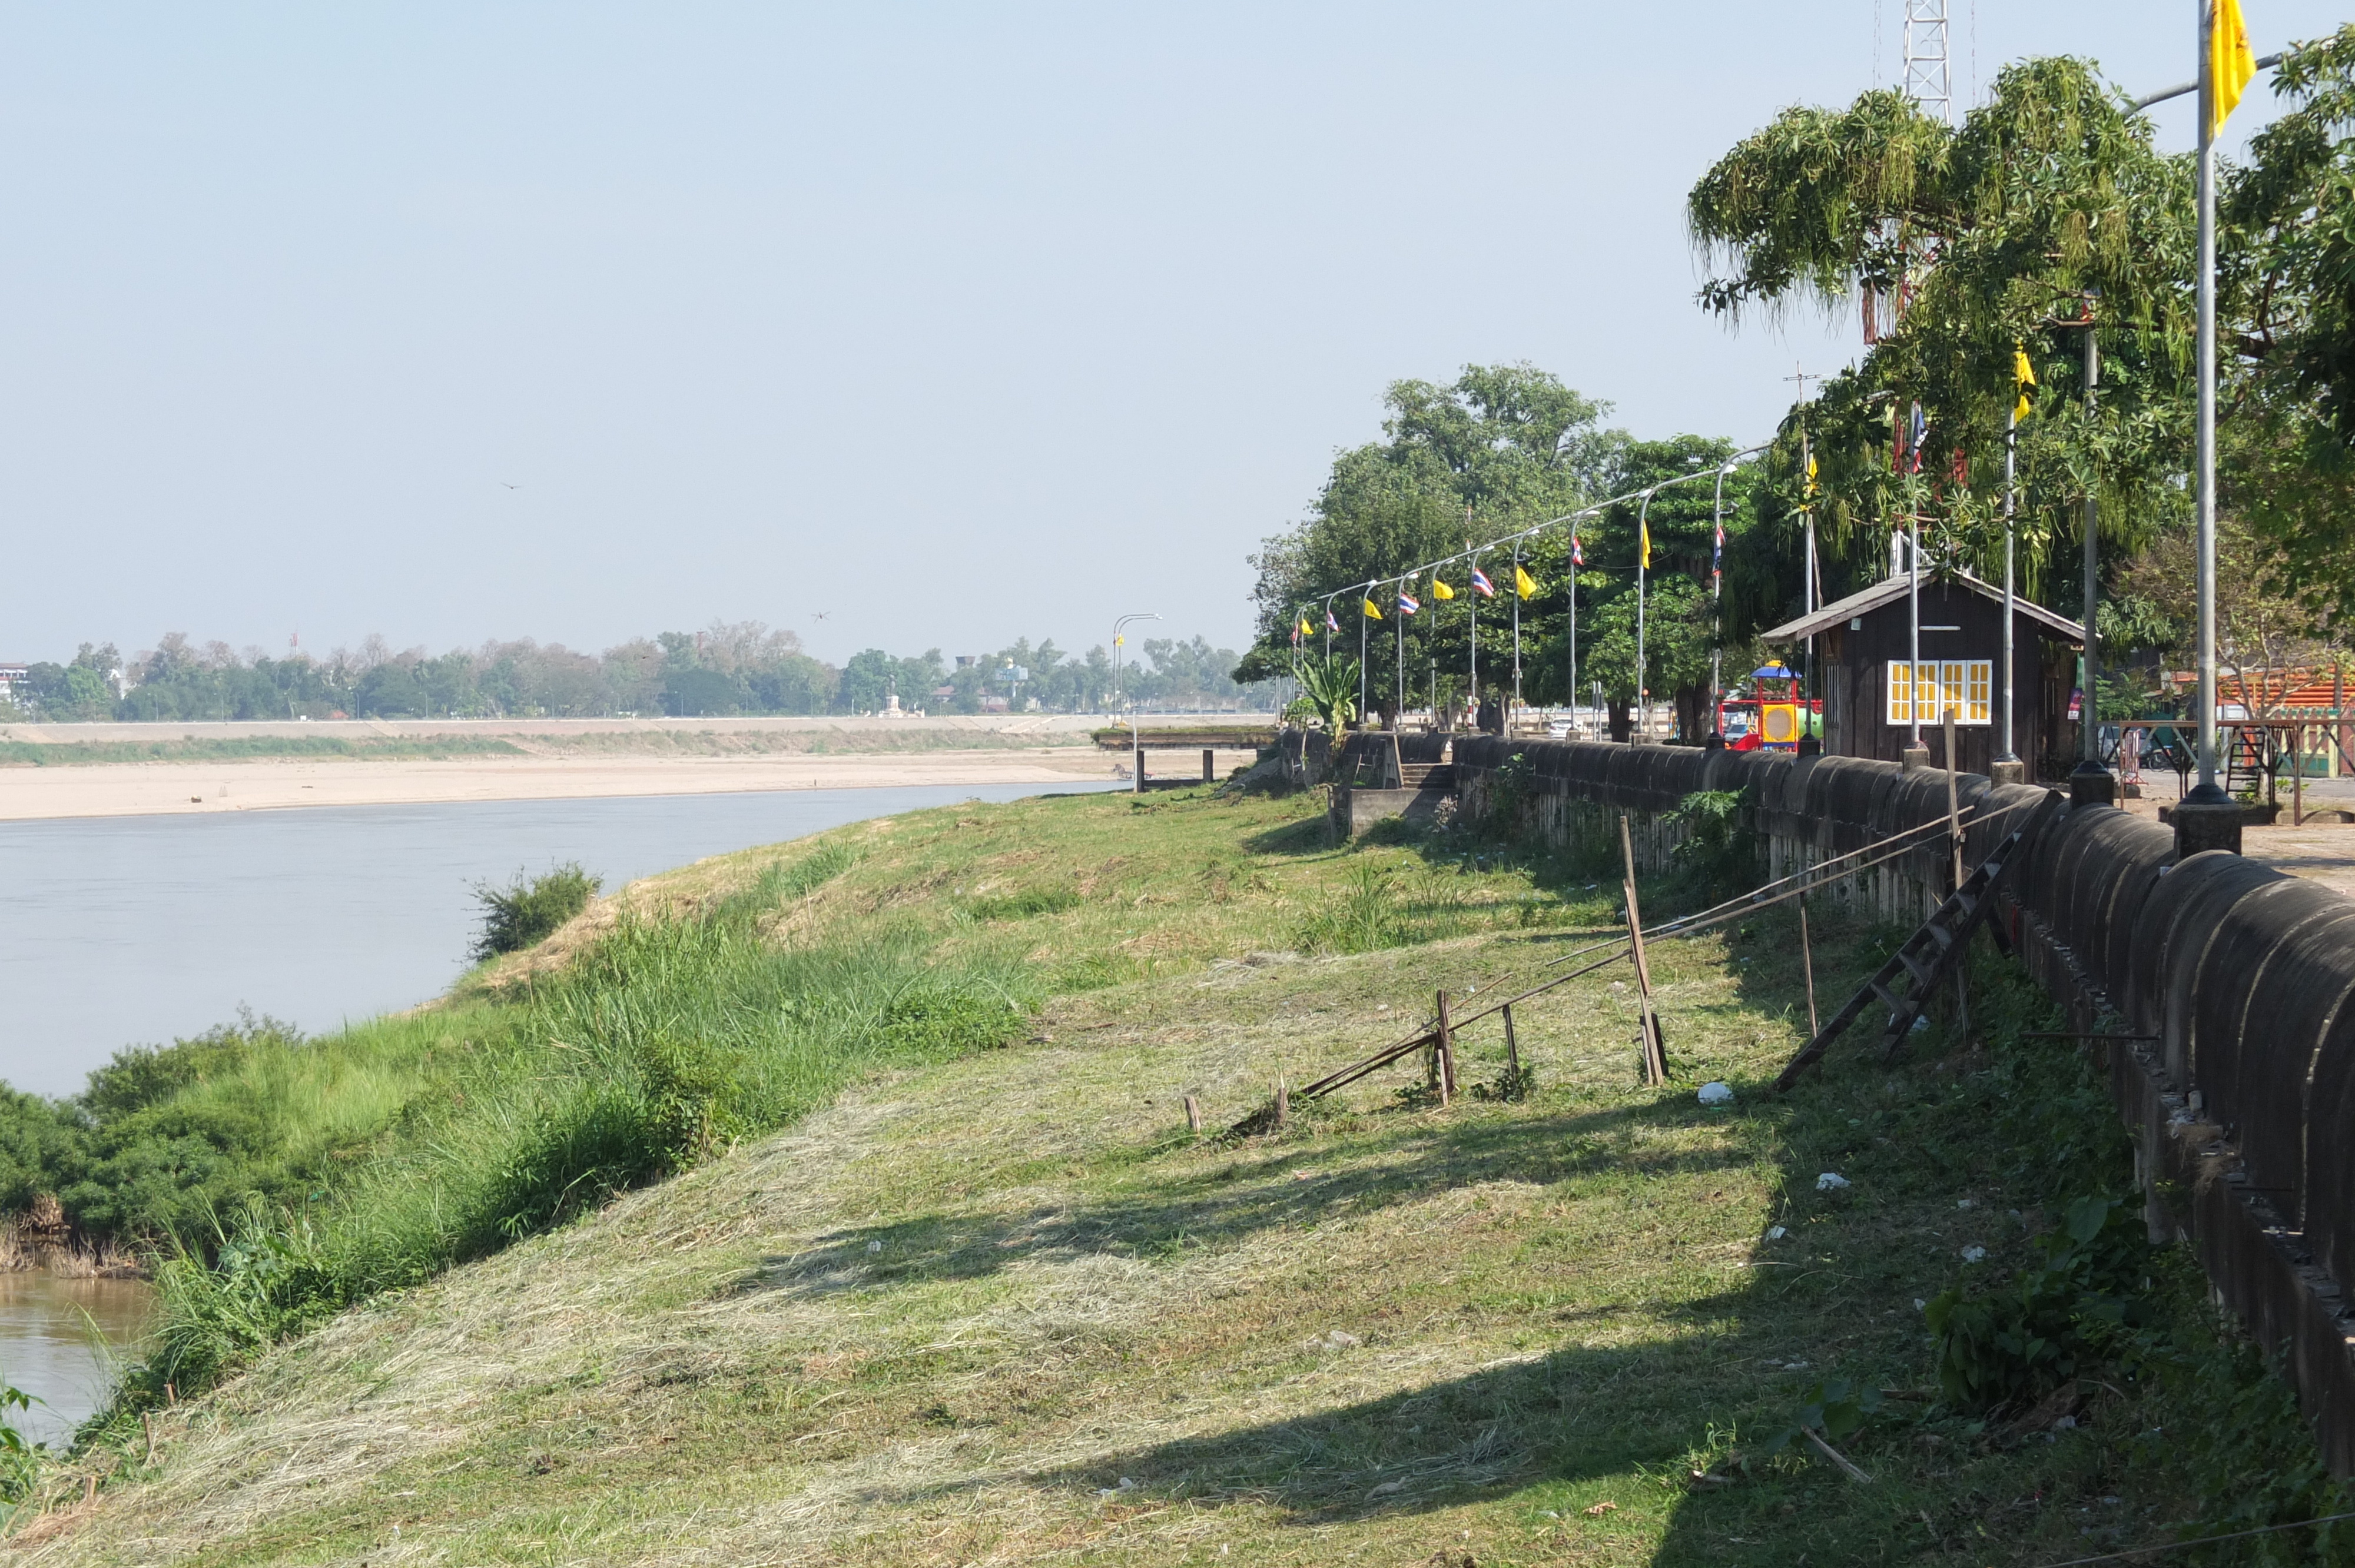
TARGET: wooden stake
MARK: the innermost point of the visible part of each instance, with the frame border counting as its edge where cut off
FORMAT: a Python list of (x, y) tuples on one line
[(1283, 1103), (1656, 1048), (1512, 1049), (1444, 1052), (1193, 1114), (1807, 966)]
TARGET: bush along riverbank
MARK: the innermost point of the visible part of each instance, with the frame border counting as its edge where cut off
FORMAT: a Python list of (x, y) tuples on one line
[(990, 1297)]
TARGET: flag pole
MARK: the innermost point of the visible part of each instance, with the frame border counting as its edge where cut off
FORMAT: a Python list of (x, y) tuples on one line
[(1472, 603), (1717, 614), (1516, 635), (1917, 432), (1369, 592), (2007, 762), (1643, 535), (2206, 818), (1574, 630)]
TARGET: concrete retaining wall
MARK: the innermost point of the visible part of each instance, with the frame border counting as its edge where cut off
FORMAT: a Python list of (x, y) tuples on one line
[(2243, 1105)]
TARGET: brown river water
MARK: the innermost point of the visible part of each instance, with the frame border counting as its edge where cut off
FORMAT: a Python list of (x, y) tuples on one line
[(58, 1341)]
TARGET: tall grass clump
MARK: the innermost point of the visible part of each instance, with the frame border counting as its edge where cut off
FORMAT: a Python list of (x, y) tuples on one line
[(529, 908), (663, 1042)]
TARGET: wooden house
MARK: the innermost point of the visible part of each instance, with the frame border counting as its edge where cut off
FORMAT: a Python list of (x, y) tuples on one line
[(1862, 656)]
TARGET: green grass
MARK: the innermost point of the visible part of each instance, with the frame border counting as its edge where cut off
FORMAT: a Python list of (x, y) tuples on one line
[(999, 1305)]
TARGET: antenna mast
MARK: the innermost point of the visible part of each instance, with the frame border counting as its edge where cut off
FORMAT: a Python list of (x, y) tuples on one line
[(1927, 80)]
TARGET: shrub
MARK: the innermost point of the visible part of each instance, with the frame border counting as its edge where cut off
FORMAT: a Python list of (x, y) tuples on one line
[(526, 911), (1717, 852), (2049, 1325), (936, 1022)]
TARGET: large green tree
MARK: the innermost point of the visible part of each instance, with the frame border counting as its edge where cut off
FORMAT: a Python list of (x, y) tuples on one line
[(2047, 205), (1502, 448), (2287, 260)]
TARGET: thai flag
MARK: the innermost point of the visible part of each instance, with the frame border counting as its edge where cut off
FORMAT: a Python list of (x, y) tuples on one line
[(1717, 556), (1577, 552), (1917, 432), (1331, 624), (1408, 602), (1481, 585)]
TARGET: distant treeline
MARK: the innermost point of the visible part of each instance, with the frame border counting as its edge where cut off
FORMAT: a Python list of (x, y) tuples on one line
[(743, 668)]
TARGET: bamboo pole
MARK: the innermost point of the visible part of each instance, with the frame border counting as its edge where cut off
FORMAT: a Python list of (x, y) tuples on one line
[(1807, 966), (1655, 1049), (1444, 1055)]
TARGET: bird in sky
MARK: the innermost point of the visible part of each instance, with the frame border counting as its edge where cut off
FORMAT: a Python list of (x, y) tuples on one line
[(511, 486), (820, 615)]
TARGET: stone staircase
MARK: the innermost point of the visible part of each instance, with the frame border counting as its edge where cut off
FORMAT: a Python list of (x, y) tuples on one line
[(1426, 776)]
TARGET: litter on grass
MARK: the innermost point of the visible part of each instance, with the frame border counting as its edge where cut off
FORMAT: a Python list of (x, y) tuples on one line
[(1830, 1182), (1975, 1255), (1715, 1094)]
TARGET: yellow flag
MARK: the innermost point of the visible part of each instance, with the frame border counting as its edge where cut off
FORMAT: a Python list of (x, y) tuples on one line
[(1811, 474), (1523, 584), (2231, 64), (1304, 626), (1441, 590), (2023, 383), (1647, 543), (1373, 611)]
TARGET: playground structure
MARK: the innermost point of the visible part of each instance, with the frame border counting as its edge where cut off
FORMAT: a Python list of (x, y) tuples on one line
[(1773, 717)]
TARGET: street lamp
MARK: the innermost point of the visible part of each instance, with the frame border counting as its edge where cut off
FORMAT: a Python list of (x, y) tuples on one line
[(1118, 642), (1136, 737)]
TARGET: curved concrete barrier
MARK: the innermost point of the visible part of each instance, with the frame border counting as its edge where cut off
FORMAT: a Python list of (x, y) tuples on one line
[(2244, 1102)]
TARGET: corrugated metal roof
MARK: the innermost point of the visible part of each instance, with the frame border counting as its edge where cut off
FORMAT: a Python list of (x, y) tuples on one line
[(1839, 612)]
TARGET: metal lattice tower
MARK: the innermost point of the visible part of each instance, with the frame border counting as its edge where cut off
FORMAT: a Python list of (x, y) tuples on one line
[(1927, 80)]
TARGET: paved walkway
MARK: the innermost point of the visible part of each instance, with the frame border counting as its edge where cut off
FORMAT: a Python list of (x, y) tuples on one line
[(2324, 852)]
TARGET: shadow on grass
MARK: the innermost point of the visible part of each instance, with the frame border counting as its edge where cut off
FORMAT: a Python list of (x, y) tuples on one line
[(1264, 1185), (1571, 1414)]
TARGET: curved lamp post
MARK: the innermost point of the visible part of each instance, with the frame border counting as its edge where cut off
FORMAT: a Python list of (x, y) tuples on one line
[(1136, 737)]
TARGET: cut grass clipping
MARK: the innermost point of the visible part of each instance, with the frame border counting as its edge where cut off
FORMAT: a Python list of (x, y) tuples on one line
[(1001, 1306)]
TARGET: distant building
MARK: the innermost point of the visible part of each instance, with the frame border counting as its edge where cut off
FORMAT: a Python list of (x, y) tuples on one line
[(12, 681), (1870, 688)]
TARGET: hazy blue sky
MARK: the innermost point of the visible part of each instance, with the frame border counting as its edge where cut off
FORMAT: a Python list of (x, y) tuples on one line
[(951, 323)]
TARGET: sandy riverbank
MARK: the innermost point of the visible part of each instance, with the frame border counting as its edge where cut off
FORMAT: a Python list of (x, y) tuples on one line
[(29, 794)]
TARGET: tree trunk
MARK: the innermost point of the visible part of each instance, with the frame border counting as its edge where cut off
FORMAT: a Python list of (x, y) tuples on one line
[(1693, 714)]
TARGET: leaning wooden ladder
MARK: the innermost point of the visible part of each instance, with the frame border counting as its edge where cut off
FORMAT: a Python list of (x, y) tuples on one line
[(1928, 957)]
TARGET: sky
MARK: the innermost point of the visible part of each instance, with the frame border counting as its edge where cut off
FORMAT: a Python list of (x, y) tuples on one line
[(903, 325)]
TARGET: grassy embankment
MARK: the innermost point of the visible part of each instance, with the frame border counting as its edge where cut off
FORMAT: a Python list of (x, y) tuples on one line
[(1002, 1307)]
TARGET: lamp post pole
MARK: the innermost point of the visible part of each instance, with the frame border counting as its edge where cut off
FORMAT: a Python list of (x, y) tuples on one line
[(1136, 735)]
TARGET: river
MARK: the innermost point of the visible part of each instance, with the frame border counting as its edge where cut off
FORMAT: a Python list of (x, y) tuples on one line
[(139, 930), (130, 931), (59, 1338)]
